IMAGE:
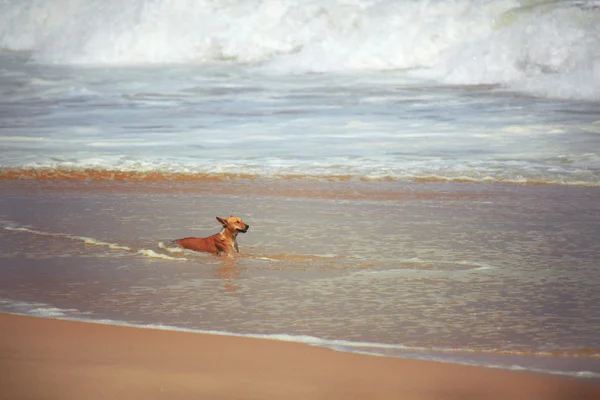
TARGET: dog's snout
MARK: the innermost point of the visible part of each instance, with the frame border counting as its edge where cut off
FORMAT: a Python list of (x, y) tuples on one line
[(247, 226)]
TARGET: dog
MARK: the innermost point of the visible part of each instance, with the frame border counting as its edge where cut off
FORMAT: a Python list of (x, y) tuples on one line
[(224, 242)]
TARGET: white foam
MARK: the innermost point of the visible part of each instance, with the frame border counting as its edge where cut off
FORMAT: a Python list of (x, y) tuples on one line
[(21, 139), (168, 247), (84, 239), (95, 242), (153, 254), (547, 48), (48, 312), (38, 309), (368, 348), (417, 265), (580, 172)]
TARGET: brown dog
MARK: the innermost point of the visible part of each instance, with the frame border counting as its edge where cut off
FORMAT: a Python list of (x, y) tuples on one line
[(222, 242)]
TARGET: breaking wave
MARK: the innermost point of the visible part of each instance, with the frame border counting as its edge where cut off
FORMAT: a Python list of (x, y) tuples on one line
[(547, 48)]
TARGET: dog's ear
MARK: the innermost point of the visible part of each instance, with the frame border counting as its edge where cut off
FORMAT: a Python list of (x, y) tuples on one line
[(222, 221)]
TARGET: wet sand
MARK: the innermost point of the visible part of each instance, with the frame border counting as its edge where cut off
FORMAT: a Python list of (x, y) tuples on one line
[(55, 359)]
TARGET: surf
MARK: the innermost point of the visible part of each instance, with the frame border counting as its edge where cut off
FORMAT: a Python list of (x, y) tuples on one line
[(542, 48)]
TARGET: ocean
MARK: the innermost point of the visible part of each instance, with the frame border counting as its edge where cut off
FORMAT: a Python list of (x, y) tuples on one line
[(421, 178)]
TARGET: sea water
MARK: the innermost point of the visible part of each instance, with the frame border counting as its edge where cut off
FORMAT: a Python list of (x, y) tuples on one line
[(421, 177)]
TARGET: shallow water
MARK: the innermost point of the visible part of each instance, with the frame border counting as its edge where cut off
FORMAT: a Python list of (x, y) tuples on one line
[(438, 270), (228, 120), (420, 181)]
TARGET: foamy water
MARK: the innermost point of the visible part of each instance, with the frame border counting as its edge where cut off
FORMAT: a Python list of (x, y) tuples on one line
[(548, 48), (404, 90)]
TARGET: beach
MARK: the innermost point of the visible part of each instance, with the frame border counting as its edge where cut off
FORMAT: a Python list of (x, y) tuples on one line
[(53, 359), (421, 183)]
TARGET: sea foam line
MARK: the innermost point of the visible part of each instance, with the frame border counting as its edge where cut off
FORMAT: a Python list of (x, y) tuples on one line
[(96, 242), (347, 346), (157, 172), (43, 310)]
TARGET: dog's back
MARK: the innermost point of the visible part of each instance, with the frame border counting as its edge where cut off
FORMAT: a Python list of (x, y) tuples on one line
[(222, 242)]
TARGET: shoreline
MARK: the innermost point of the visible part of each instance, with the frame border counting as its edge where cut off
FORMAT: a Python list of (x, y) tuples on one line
[(62, 359), (200, 176), (506, 361)]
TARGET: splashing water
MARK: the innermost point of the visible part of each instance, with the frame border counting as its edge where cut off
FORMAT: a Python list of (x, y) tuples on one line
[(544, 48)]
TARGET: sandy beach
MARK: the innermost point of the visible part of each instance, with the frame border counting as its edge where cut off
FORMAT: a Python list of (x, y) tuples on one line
[(57, 359)]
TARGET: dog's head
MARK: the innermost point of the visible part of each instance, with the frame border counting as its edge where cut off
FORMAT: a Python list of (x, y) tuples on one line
[(233, 224)]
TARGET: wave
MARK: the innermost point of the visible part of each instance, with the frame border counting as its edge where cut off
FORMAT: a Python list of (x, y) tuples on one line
[(91, 241), (547, 48)]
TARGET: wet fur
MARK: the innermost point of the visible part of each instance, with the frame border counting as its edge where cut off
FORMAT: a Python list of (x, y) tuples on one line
[(224, 242)]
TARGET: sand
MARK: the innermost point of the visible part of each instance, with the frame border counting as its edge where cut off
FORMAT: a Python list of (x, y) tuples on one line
[(54, 359)]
